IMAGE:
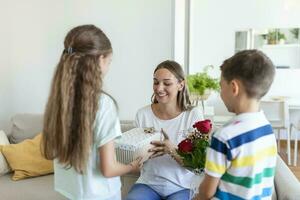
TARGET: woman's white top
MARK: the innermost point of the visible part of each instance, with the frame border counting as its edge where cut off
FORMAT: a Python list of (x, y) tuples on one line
[(163, 173), (92, 185)]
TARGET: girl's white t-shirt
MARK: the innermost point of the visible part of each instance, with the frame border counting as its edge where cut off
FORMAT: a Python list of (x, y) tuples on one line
[(163, 173), (92, 185)]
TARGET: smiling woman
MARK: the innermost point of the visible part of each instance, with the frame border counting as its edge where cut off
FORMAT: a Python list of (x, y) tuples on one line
[(171, 111), (169, 85), (166, 86)]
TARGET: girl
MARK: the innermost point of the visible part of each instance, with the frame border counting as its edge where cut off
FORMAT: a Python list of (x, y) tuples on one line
[(162, 177), (81, 123)]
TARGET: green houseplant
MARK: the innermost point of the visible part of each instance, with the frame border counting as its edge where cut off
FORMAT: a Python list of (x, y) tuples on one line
[(281, 38), (200, 85), (272, 36), (295, 32)]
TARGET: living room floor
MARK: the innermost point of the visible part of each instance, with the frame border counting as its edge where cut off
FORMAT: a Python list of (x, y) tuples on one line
[(283, 155)]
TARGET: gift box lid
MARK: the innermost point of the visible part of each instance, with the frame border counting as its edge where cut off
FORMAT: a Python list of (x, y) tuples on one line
[(136, 138)]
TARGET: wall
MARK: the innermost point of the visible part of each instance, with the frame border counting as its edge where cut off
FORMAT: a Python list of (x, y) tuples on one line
[(283, 55), (32, 36), (213, 26)]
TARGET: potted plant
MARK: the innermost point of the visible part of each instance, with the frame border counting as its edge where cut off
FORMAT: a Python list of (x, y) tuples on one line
[(264, 37), (201, 84), (295, 32), (272, 36), (281, 38)]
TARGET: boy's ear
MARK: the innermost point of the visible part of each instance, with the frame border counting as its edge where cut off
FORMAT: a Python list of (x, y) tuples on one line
[(235, 87)]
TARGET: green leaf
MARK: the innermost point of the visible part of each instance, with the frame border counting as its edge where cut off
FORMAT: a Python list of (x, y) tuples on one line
[(199, 82)]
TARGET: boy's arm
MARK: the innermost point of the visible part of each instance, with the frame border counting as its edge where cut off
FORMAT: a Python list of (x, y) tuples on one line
[(207, 188)]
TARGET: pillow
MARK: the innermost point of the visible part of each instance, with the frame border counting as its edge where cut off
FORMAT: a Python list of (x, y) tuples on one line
[(126, 125), (25, 126), (4, 168), (26, 159)]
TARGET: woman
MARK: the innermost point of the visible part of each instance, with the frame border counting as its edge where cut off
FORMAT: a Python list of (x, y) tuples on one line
[(162, 177)]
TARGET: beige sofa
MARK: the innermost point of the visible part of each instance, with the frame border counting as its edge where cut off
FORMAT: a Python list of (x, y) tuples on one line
[(25, 126)]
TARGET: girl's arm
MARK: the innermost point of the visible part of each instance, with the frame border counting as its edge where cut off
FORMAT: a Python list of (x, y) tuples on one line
[(109, 165)]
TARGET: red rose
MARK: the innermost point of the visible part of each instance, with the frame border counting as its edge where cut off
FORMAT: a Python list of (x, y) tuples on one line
[(185, 146), (203, 126)]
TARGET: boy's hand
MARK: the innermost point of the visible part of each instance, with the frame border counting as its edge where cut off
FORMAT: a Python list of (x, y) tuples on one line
[(136, 165)]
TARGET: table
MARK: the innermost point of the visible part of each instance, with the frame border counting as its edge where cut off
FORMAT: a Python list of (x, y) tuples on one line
[(293, 103)]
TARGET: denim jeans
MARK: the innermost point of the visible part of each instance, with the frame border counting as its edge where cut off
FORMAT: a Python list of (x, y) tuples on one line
[(144, 192)]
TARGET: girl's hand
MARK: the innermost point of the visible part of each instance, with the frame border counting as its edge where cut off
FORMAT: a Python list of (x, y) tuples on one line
[(136, 165)]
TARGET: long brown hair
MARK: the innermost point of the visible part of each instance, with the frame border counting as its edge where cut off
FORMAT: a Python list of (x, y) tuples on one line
[(183, 98), (74, 96)]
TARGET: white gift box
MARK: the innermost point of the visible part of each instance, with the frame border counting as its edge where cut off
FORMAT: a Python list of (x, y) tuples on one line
[(135, 143)]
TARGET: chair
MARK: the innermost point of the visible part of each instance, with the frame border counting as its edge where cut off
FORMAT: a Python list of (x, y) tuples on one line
[(297, 127), (277, 113)]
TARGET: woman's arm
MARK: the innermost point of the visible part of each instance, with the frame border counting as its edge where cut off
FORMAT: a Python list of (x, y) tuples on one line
[(109, 165)]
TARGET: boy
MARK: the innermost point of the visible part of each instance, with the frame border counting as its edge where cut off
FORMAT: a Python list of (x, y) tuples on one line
[(242, 156)]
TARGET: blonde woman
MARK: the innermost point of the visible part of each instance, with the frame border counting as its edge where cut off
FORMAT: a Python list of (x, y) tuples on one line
[(81, 122), (163, 177)]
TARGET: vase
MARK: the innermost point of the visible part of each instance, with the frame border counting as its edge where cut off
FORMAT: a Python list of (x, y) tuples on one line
[(282, 41), (205, 95), (196, 98)]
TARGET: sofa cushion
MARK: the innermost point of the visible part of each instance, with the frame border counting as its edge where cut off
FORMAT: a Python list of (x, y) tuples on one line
[(26, 160), (25, 126), (274, 194), (4, 168), (126, 125), (287, 185)]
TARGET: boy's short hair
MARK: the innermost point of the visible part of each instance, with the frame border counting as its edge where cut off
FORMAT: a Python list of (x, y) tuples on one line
[(253, 68)]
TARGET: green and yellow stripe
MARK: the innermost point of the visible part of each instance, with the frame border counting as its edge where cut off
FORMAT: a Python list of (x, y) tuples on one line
[(248, 182)]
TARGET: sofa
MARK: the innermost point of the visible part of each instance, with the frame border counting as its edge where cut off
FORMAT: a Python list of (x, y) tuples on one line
[(287, 187)]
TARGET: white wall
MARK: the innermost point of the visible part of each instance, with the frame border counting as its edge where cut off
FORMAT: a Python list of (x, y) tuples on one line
[(213, 26), (283, 55), (179, 32), (32, 34)]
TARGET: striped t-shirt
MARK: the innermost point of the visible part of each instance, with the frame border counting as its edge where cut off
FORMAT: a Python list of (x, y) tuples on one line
[(243, 155)]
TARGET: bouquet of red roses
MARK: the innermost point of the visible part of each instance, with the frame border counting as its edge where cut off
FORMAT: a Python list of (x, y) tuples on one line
[(193, 149)]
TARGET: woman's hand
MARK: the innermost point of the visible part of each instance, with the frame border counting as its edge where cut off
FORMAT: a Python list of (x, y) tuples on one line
[(136, 165), (162, 147)]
